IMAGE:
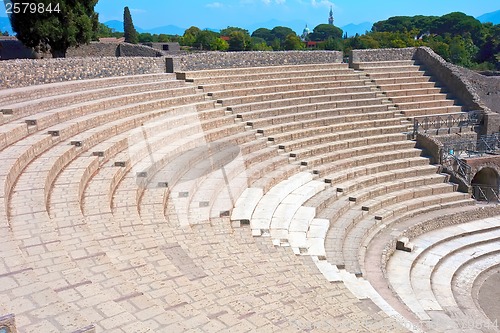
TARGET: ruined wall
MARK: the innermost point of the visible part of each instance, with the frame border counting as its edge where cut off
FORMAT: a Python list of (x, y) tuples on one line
[(26, 72), (219, 60)]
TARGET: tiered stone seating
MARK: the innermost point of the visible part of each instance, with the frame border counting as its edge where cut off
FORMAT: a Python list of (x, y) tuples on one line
[(118, 196), (376, 173), (408, 87), (436, 279), (87, 203)]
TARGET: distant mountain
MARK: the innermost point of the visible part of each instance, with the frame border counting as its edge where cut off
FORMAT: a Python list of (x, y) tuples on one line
[(5, 25), (296, 25), (353, 29), (493, 17), (168, 29)]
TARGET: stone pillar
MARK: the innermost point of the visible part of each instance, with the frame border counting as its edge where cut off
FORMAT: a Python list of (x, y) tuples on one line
[(8, 324), (491, 123), (173, 65)]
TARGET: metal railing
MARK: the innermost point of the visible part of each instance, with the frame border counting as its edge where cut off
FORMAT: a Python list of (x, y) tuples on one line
[(457, 167), (435, 122), (485, 193), (486, 144)]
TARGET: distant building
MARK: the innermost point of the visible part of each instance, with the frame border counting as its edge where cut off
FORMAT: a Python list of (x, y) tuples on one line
[(305, 33), (330, 18), (167, 47)]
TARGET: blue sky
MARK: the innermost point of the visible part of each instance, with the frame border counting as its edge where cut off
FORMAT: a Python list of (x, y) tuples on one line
[(222, 13), (250, 13)]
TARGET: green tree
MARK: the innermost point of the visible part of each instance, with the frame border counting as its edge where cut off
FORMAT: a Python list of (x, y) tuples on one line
[(103, 31), (205, 39), (145, 37), (458, 24), (131, 35), (293, 42), (74, 23), (229, 30), (259, 44), (163, 38), (265, 34), (282, 33), (332, 44), (239, 41), (219, 44), (190, 35), (323, 31)]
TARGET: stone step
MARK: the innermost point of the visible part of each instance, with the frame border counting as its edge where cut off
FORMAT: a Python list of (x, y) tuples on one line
[(224, 78), (316, 95), (274, 86), (281, 124), (18, 95)]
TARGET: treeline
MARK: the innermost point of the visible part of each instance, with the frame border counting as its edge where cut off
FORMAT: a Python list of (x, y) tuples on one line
[(458, 38)]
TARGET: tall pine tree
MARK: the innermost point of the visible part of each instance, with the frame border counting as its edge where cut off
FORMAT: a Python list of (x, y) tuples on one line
[(67, 23), (128, 26)]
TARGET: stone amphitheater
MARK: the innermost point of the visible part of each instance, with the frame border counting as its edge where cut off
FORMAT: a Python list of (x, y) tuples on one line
[(239, 192)]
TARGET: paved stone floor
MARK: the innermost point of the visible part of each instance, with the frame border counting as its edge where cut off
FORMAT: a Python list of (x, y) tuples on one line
[(489, 296)]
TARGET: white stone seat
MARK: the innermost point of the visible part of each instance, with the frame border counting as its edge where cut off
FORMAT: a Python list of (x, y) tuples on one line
[(384, 63), (228, 87), (322, 94), (388, 88), (264, 211), (409, 273), (340, 129), (261, 69), (383, 75), (289, 210), (18, 95), (417, 98), (412, 92), (285, 123), (168, 87), (402, 80), (335, 101), (224, 91), (317, 109), (353, 157)]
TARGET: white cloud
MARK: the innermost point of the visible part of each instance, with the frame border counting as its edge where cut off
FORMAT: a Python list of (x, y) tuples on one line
[(278, 2), (214, 5), (322, 3)]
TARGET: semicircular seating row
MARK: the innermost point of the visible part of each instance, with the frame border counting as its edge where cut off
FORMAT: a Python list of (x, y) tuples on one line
[(116, 195), (437, 280)]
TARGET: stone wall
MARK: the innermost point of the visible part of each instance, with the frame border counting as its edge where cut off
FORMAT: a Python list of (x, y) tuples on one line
[(472, 90), (432, 147), (487, 87), (96, 49), (218, 60), (382, 55), (26, 72), (451, 77)]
